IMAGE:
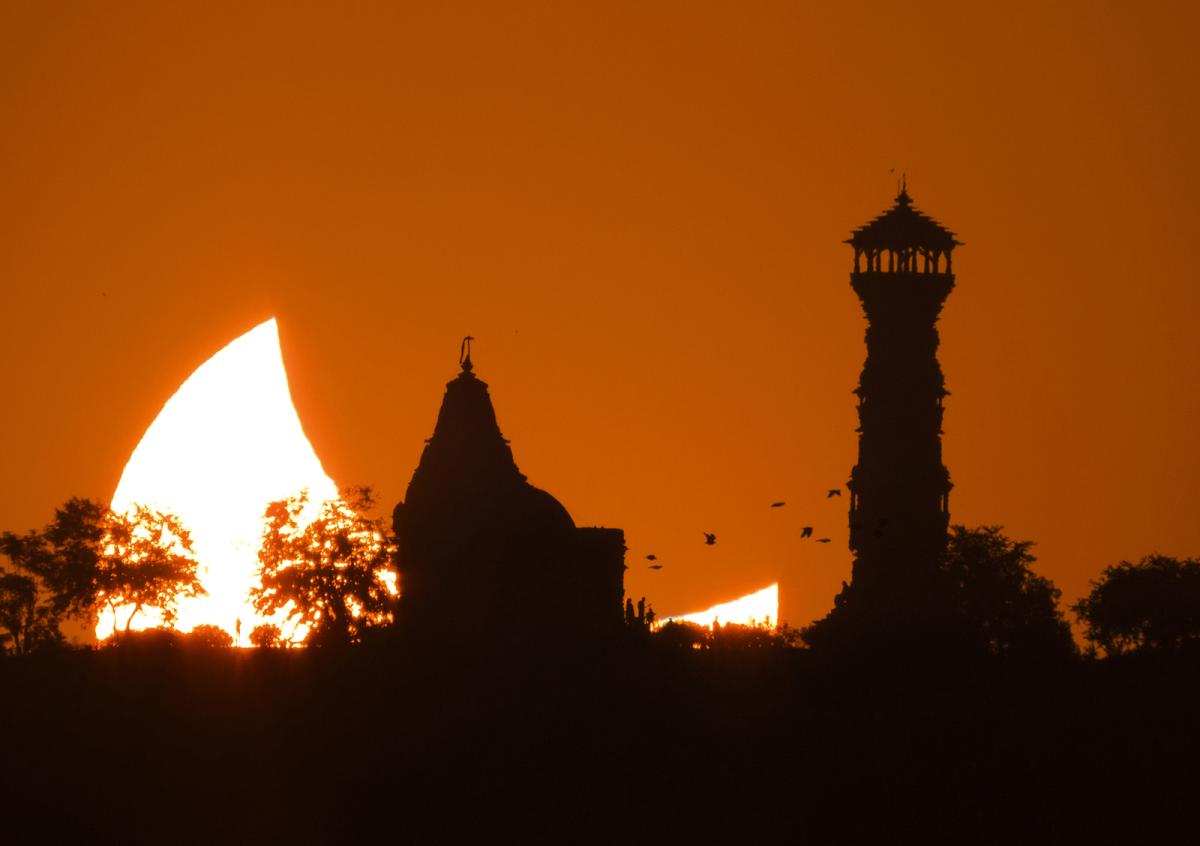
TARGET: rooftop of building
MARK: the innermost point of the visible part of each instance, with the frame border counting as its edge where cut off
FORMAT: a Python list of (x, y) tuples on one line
[(903, 227)]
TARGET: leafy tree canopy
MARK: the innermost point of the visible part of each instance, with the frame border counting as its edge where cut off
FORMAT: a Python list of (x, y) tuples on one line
[(90, 560), (1009, 607), (29, 618), (147, 561), (210, 636), (985, 595), (327, 567), (266, 636), (1153, 605), (682, 634), (731, 637), (27, 622)]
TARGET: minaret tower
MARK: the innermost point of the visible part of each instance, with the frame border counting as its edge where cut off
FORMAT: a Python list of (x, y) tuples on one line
[(900, 490)]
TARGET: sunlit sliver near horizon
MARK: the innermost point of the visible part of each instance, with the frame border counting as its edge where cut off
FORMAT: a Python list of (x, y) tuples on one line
[(760, 608), (228, 442)]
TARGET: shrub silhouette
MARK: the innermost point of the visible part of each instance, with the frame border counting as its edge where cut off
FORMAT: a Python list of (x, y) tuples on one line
[(731, 637), (210, 637), (159, 638), (681, 634), (735, 636), (266, 636)]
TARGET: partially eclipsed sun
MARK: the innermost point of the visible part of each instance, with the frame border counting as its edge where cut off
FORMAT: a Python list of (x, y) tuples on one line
[(760, 608), (226, 444)]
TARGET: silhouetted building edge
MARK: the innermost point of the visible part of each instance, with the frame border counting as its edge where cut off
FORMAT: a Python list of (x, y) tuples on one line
[(899, 510), (484, 554)]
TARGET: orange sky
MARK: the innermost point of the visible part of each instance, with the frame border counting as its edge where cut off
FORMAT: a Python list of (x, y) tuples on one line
[(638, 214)]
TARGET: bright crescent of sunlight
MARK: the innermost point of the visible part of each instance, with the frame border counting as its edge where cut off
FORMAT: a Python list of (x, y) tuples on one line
[(760, 608), (226, 444)]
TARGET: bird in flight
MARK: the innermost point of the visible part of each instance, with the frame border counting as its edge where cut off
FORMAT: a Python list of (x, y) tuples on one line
[(833, 492), (822, 540), (806, 532), (655, 566), (651, 557), (778, 504), (710, 538)]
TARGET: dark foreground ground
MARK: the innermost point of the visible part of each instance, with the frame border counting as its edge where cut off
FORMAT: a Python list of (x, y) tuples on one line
[(569, 744)]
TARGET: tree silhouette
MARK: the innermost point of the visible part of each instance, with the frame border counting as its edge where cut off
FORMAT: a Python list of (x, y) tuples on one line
[(681, 634), (152, 639), (28, 620), (1153, 605), (210, 636), (736, 636), (1009, 608), (65, 554), (332, 573), (983, 594), (146, 561), (731, 637), (90, 559), (266, 636)]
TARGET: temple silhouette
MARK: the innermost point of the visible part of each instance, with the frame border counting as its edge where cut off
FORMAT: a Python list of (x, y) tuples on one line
[(483, 553), (899, 489)]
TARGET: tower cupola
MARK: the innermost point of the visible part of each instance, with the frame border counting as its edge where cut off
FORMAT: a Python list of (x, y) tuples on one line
[(911, 241)]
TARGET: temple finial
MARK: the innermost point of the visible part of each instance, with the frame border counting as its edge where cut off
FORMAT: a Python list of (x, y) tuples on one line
[(464, 354)]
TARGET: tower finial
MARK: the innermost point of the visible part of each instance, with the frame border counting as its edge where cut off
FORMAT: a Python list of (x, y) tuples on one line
[(464, 354)]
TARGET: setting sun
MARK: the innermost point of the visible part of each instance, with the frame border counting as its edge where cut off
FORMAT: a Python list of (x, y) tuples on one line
[(226, 444), (760, 608), (599, 421)]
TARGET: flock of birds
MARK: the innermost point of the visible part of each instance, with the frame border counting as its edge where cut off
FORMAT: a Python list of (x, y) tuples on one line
[(710, 538)]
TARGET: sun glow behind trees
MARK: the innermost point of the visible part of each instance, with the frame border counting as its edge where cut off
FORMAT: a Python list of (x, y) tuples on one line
[(760, 608), (225, 445)]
